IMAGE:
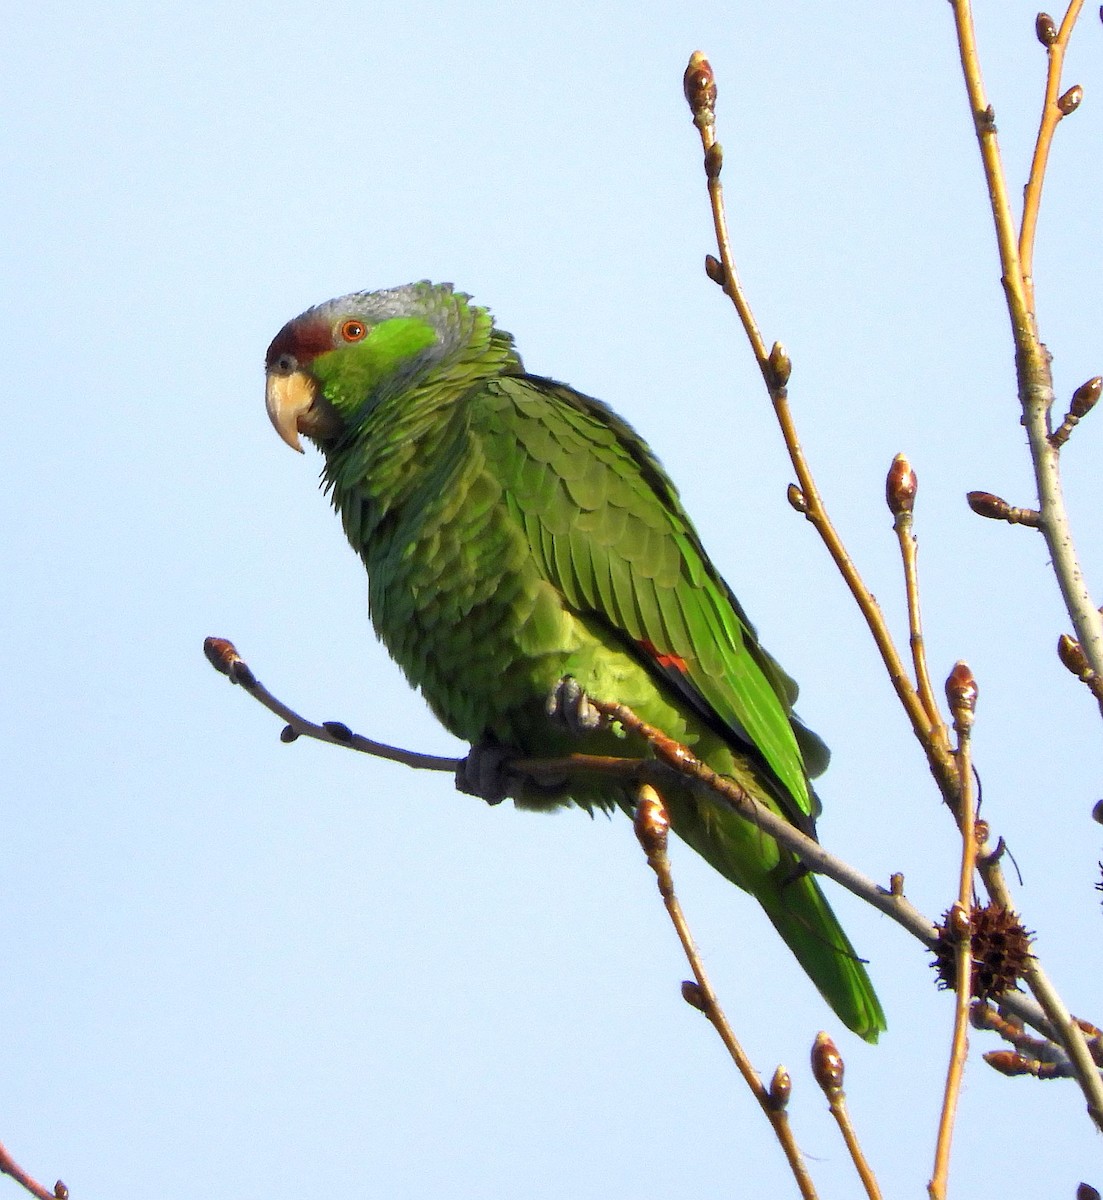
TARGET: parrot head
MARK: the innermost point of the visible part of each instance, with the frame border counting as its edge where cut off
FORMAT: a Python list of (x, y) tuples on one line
[(328, 368)]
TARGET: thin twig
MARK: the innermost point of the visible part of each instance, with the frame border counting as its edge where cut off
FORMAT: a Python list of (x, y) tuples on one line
[(671, 759), (1036, 397), (1062, 1026), (700, 88), (1032, 363), (9, 1167), (961, 690), (223, 656), (652, 828), (900, 492), (984, 122), (828, 1069), (1052, 113), (1031, 357)]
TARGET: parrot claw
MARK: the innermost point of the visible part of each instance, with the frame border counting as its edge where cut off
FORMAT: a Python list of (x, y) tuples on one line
[(485, 773), (569, 704)]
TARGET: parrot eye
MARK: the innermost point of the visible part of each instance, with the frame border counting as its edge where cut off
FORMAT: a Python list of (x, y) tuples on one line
[(354, 331)]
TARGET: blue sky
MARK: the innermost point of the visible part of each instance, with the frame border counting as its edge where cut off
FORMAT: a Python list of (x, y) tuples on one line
[(240, 968)]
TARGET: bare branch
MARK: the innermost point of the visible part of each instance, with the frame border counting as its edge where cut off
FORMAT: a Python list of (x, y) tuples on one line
[(652, 827), (901, 487), (961, 692), (776, 368), (828, 1069), (9, 1167)]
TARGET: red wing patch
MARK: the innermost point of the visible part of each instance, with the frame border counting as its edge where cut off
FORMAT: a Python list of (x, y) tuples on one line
[(666, 661)]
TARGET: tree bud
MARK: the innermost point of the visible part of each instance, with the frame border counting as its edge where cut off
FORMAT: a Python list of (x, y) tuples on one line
[(900, 486)]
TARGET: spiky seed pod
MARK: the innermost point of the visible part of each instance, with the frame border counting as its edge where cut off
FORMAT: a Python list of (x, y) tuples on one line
[(1000, 949)]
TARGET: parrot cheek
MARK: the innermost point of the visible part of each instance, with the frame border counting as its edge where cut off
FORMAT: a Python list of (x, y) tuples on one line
[(296, 406)]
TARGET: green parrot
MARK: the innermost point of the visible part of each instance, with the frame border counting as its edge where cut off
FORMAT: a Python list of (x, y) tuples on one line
[(523, 545)]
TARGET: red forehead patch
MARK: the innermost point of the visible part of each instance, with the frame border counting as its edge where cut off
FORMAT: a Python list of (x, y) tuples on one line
[(304, 338)]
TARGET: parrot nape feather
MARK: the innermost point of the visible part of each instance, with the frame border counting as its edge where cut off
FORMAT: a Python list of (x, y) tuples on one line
[(516, 533)]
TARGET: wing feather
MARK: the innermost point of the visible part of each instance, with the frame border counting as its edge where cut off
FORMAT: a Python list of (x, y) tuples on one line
[(608, 530)]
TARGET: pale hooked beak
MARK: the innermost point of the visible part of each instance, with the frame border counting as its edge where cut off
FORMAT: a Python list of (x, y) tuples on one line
[(289, 396)]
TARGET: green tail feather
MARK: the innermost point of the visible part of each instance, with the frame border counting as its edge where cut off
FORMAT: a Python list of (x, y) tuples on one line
[(794, 903), (801, 914)]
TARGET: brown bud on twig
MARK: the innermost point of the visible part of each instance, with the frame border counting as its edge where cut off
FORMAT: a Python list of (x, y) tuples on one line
[(1086, 396), (796, 498), (961, 694), (652, 824), (1086, 1192), (1007, 1062), (900, 486), (1073, 658), (1097, 812), (1046, 29), (699, 84), (1070, 101), (780, 366), (1084, 399), (714, 161), (338, 730), (288, 734), (693, 996), (61, 1192), (987, 504), (827, 1064), (896, 883), (996, 508), (714, 269), (781, 1088), (957, 921), (221, 654)]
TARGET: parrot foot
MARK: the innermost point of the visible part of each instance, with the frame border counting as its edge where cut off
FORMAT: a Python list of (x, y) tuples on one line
[(485, 773), (570, 705)]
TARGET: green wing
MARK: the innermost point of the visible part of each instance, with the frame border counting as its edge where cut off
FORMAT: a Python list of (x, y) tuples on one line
[(607, 528)]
